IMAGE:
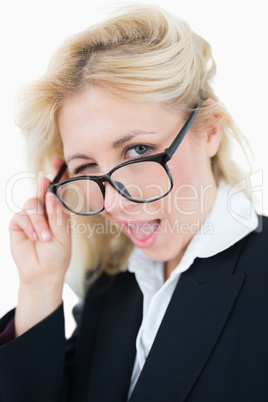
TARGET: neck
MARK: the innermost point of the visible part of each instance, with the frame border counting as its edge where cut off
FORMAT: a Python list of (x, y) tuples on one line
[(169, 266)]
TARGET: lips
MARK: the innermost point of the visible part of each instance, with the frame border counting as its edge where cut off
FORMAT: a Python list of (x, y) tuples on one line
[(143, 234)]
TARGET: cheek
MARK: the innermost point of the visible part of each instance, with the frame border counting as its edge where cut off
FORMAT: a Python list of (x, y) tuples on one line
[(182, 169), (188, 165), (189, 171)]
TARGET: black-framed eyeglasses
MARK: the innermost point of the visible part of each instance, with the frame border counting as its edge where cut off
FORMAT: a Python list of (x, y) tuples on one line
[(141, 180)]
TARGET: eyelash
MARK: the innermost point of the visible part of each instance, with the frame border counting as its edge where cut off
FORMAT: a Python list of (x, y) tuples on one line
[(150, 150), (83, 167)]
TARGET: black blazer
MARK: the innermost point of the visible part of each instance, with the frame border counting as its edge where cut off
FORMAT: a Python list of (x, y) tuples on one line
[(212, 345)]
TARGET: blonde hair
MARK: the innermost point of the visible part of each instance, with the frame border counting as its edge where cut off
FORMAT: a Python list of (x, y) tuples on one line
[(141, 53)]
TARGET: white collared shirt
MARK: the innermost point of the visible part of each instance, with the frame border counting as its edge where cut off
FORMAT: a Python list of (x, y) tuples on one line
[(231, 218)]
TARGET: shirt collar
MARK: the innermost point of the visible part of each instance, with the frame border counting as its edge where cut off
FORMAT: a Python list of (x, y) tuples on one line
[(231, 218)]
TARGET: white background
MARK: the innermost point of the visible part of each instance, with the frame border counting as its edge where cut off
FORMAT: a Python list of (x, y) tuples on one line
[(31, 30)]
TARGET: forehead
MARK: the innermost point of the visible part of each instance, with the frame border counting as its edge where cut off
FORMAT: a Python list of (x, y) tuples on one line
[(97, 115)]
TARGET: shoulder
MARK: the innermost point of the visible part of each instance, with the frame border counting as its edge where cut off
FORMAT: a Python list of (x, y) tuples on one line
[(255, 245), (253, 259)]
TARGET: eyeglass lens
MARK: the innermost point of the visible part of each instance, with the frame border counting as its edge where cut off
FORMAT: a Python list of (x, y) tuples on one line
[(141, 181)]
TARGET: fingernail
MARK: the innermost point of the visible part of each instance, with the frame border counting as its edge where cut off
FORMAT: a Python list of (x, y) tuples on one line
[(45, 235), (35, 236)]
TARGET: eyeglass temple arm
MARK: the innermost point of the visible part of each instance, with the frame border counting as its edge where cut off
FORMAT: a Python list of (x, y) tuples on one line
[(175, 144), (59, 174)]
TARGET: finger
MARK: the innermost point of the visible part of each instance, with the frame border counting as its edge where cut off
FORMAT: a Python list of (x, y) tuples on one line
[(57, 218), (21, 226), (43, 184), (35, 210), (57, 164)]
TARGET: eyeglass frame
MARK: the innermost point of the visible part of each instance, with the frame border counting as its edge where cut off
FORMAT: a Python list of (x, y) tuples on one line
[(162, 158)]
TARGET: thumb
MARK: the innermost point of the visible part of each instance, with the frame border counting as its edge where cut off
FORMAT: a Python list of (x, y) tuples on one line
[(58, 218)]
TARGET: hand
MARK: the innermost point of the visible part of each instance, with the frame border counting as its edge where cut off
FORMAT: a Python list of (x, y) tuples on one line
[(40, 242), (41, 248), (39, 238)]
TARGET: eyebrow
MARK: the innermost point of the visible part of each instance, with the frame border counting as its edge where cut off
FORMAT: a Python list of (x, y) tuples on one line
[(76, 156), (128, 137), (116, 144)]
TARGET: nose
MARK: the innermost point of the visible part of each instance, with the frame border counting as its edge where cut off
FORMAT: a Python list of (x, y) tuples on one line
[(121, 187), (112, 199), (115, 203)]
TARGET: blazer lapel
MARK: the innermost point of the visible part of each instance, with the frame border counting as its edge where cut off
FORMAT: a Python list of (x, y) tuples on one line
[(115, 347), (192, 325)]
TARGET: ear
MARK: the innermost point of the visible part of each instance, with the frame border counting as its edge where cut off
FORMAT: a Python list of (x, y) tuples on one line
[(213, 137), (212, 130)]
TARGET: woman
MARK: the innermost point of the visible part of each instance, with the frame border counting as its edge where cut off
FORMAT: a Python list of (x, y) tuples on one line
[(175, 285)]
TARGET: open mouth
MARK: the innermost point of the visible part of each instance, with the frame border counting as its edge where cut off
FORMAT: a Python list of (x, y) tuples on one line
[(143, 234)]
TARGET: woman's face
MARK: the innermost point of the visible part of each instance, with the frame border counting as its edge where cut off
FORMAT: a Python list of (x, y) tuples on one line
[(100, 131)]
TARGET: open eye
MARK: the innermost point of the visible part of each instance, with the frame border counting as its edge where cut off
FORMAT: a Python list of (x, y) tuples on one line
[(137, 150)]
